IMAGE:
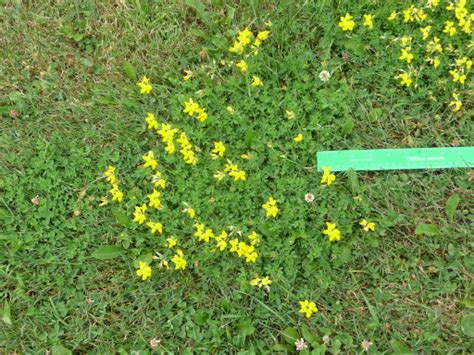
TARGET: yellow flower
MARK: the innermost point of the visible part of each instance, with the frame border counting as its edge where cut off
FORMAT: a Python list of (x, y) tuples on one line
[(255, 282), (456, 102), (179, 260), (230, 109), (406, 55), (188, 75), (109, 174), (245, 156), (254, 237), (218, 151), (117, 195), (144, 270), (221, 241), (154, 198), (266, 281), (449, 28), (171, 242), (190, 107), (237, 48), (392, 16), (308, 308), (157, 181), (149, 159), (151, 121), (426, 32), (234, 245), (201, 114), (434, 46), (244, 36), (457, 77), (368, 21), (332, 232), (242, 65), (290, 114), (405, 79), (191, 212), (219, 175), (238, 175), (347, 23), (145, 86), (256, 81), (405, 40), (327, 177), (367, 226), (139, 214), (155, 227), (298, 138), (263, 35), (103, 201), (271, 207)]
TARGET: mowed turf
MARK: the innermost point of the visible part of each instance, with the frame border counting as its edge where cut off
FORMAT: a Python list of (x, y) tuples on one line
[(68, 110)]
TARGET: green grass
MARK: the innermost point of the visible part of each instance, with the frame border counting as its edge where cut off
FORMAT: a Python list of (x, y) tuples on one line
[(75, 111)]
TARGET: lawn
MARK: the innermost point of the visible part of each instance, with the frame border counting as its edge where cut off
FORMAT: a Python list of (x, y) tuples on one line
[(101, 173)]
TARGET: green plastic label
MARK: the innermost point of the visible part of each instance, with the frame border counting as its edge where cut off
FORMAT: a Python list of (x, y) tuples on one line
[(397, 159)]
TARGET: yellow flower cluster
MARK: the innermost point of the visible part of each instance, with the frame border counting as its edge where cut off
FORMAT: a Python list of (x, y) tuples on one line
[(233, 171), (139, 214), (271, 207), (145, 86), (218, 151), (110, 177), (192, 108), (327, 177), (167, 134), (179, 261), (455, 103), (243, 250), (347, 22), (144, 270), (186, 149), (332, 232), (244, 38), (261, 282), (202, 233), (308, 308), (367, 226), (414, 14), (459, 22)]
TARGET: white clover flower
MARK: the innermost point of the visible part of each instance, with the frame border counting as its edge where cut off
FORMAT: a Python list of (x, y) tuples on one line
[(301, 345), (309, 197), (324, 75)]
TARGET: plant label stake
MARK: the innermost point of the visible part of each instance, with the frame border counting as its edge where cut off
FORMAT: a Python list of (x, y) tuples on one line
[(397, 159)]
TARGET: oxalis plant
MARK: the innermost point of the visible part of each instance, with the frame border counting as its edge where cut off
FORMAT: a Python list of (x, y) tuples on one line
[(214, 191)]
